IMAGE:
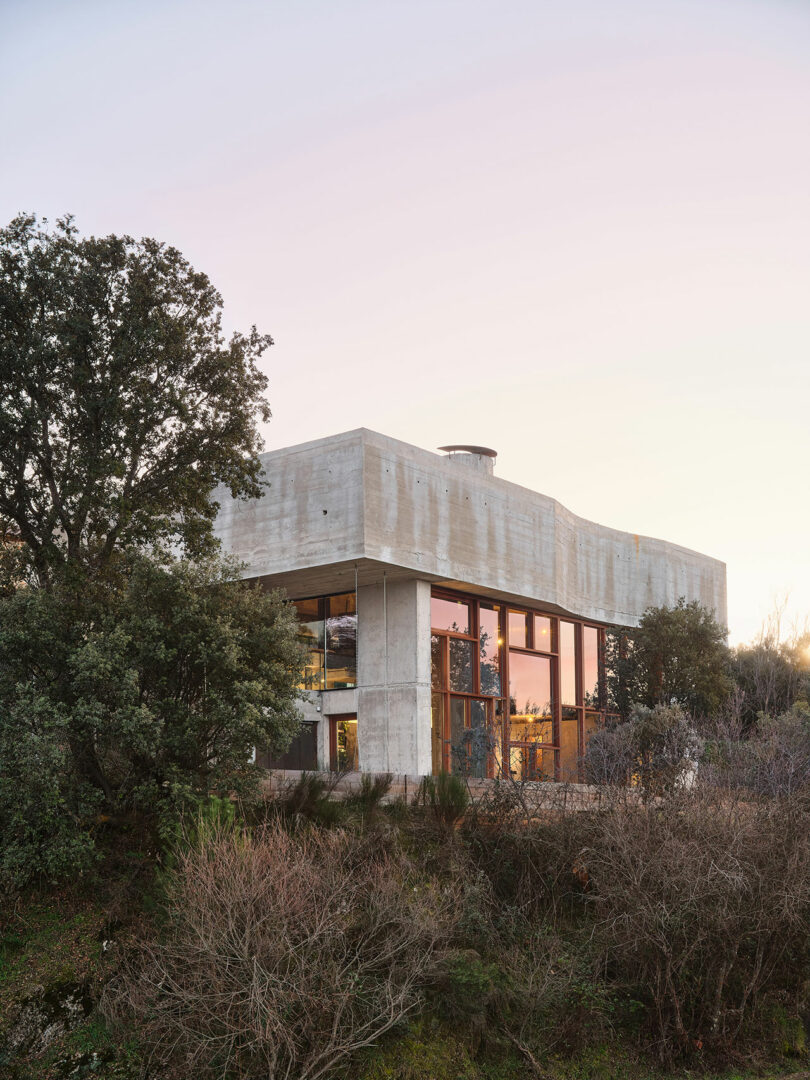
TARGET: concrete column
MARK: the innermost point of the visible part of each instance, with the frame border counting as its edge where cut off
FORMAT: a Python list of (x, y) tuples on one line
[(393, 675)]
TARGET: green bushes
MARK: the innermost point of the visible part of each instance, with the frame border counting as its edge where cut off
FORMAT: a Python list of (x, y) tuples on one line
[(139, 693), (445, 796)]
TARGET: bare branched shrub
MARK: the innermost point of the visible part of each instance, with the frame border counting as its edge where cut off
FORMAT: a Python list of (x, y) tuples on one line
[(702, 904), (285, 954), (773, 673), (774, 761)]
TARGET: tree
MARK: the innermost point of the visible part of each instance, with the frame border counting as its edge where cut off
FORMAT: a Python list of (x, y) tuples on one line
[(677, 656), (130, 681), (141, 690), (772, 673), (121, 404)]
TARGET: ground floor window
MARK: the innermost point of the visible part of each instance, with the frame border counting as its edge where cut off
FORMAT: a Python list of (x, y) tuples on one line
[(302, 752), (514, 691), (344, 753)]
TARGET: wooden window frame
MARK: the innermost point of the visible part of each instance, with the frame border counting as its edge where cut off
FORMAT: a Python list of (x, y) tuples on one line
[(504, 650)]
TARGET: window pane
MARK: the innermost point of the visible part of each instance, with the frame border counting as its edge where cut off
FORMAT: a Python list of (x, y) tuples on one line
[(531, 763), (529, 699), (346, 750), (452, 615), (341, 641), (438, 675), (529, 685), (461, 665), (590, 667), (310, 632), (489, 651), (593, 720), (542, 633), (458, 754), (480, 739), (568, 664), (517, 629), (437, 732), (569, 751)]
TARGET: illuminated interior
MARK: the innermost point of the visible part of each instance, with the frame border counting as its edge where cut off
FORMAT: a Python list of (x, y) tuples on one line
[(514, 690)]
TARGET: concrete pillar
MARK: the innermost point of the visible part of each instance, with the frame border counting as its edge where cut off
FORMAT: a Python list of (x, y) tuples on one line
[(393, 675)]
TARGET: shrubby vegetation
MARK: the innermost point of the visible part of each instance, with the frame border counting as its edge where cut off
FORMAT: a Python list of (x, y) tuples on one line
[(141, 693), (136, 673)]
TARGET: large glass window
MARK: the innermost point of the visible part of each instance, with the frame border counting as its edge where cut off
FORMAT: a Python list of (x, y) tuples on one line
[(328, 628), (489, 649), (341, 641), (310, 633), (525, 706)]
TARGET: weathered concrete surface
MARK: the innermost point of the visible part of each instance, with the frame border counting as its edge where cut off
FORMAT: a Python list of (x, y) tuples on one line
[(359, 505), (393, 655)]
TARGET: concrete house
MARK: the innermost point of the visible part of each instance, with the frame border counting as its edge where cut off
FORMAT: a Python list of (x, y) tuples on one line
[(454, 620)]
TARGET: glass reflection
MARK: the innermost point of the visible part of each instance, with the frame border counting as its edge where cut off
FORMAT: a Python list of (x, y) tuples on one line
[(457, 747), (461, 665), (479, 738), (529, 685), (569, 751), (590, 667), (542, 633), (438, 674), (489, 651), (341, 641), (449, 615), (311, 634), (568, 664), (517, 629), (531, 763)]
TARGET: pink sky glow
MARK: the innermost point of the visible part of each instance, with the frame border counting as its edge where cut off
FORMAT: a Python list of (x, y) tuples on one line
[(578, 233)]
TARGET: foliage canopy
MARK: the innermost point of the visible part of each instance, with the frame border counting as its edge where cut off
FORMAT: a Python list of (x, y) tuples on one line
[(677, 656), (141, 691), (121, 404)]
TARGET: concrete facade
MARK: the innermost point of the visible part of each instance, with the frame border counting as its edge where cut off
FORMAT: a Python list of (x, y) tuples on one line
[(360, 511)]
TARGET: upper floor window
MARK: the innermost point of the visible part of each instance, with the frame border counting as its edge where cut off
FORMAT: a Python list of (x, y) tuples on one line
[(328, 628)]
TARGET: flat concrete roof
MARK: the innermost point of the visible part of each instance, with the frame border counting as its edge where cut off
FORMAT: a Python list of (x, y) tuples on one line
[(360, 504)]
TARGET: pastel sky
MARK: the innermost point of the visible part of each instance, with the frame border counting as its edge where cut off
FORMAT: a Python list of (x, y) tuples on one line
[(578, 232)]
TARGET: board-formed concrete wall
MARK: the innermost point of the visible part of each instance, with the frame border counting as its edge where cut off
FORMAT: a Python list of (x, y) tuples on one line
[(355, 506)]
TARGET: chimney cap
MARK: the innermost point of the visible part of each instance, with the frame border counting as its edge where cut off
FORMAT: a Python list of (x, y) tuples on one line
[(483, 451)]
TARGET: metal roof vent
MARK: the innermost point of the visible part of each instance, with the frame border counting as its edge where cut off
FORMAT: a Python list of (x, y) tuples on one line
[(475, 457)]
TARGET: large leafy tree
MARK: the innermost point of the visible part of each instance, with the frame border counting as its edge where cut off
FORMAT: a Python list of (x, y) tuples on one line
[(121, 403), (676, 656), (137, 672)]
